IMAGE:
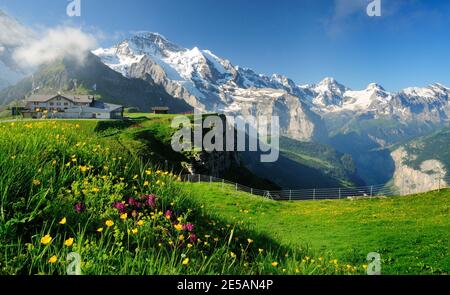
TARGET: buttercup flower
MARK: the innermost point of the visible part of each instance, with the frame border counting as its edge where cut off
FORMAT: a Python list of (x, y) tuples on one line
[(249, 241), (135, 231), (186, 261), (63, 221), (178, 227), (68, 242), (124, 216), (100, 229), (53, 259), (140, 223), (109, 223), (45, 240), (274, 264)]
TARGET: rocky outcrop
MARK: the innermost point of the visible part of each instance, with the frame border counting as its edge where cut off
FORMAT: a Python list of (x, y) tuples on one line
[(408, 180)]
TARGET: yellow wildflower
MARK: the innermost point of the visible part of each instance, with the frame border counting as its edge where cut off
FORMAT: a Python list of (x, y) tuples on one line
[(46, 240), (124, 216), (274, 264), (53, 259), (109, 223), (99, 230), (36, 182), (63, 221), (140, 223), (68, 242), (178, 227), (249, 241), (135, 231), (186, 261)]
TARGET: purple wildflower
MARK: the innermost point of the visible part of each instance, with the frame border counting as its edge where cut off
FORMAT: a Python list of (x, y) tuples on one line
[(193, 238), (188, 227), (79, 207), (150, 200), (132, 202), (120, 206)]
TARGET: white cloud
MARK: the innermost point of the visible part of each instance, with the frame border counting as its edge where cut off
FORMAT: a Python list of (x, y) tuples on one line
[(12, 33), (56, 43), (25, 48)]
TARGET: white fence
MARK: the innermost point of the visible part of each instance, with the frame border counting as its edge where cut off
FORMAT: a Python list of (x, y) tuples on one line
[(311, 194)]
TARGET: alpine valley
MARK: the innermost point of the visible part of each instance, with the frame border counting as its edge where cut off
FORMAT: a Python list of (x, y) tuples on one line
[(332, 135)]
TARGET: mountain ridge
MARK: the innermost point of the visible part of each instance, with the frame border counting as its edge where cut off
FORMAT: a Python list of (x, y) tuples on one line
[(214, 81)]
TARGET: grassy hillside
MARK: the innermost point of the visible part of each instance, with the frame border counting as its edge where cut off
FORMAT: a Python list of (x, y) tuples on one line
[(95, 188), (74, 186), (411, 233)]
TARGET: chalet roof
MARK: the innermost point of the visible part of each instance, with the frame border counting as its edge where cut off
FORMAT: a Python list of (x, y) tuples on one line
[(160, 108), (72, 97)]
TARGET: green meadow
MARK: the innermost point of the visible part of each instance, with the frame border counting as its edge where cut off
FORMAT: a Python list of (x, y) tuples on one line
[(100, 189)]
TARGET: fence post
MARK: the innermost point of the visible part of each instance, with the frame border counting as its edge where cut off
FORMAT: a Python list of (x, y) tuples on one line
[(314, 194), (290, 195), (210, 180), (236, 186), (251, 191), (199, 178), (371, 191), (223, 181), (339, 193)]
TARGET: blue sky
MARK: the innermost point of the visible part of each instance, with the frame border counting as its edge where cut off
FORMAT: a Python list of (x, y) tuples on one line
[(409, 45)]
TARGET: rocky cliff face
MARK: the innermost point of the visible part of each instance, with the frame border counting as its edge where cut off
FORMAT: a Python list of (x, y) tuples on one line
[(430, 175)]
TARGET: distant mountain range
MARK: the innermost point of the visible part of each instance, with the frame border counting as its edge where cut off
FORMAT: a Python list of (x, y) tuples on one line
[(212, 83), (147, 69)]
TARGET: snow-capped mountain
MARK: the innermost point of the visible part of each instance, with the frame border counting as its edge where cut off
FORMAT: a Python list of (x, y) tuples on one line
[(330, 96), (211, 83)]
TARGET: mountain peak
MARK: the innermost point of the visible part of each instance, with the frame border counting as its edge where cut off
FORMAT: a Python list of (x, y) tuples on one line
[(150, 42), (374, 86), (328, 81)]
